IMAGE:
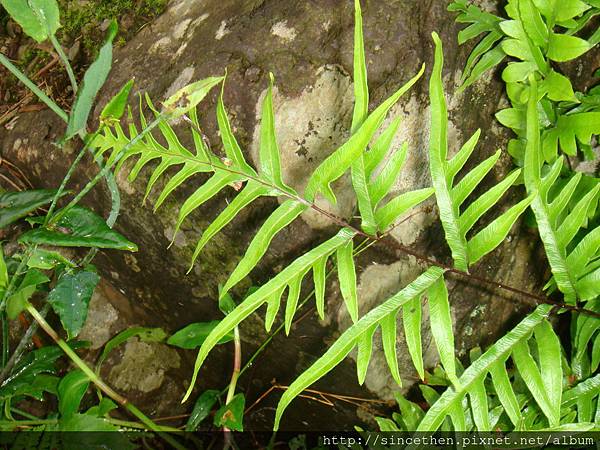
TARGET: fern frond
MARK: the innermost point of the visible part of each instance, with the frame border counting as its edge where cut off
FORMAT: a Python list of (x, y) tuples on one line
[(270, 293), (360, 334), (451, 196), (541, 378), (572, 268)]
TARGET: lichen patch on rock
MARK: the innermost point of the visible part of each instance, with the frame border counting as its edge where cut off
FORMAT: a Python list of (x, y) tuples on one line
[(143, 366)]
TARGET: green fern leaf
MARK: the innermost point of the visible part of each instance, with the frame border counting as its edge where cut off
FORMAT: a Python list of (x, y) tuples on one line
[(272, 289), (285, 214), (388, 337), (347, 277), (411, 320), (350, 338), (441, 326), (449, 198), (492, 360)]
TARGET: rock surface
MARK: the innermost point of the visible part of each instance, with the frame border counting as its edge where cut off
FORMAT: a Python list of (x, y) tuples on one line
[(308, 47)]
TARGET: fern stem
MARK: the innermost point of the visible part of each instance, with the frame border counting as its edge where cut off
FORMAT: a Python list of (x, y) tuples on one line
[(94, 378), (65, 60), (16, 356), (68, 176)]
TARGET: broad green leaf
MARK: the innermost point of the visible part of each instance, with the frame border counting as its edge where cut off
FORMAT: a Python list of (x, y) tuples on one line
[(29, 284), (279, 219), (349, 339), (518, 71), (16, 205), (102, 409), (441, 326), (388, 337), (202, 408), (226, 303), (497, 353), (561, 10), (534, 26), (93, 80), (512, 118), (339, 161), (47, 260), (563, 48), (492, 235), (145, 334), (17, 302), (188, 97), (30, 368), (71, 297), (347, 277), (231, 415), (38, 18), (78, 227), (559, 87), (386, 425), (71, 390), (115, 108), (193, 335), (410, 412), (411, 320), (99, 433)]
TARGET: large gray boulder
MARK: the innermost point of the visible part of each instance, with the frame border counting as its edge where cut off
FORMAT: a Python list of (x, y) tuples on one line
[(308, 47)]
